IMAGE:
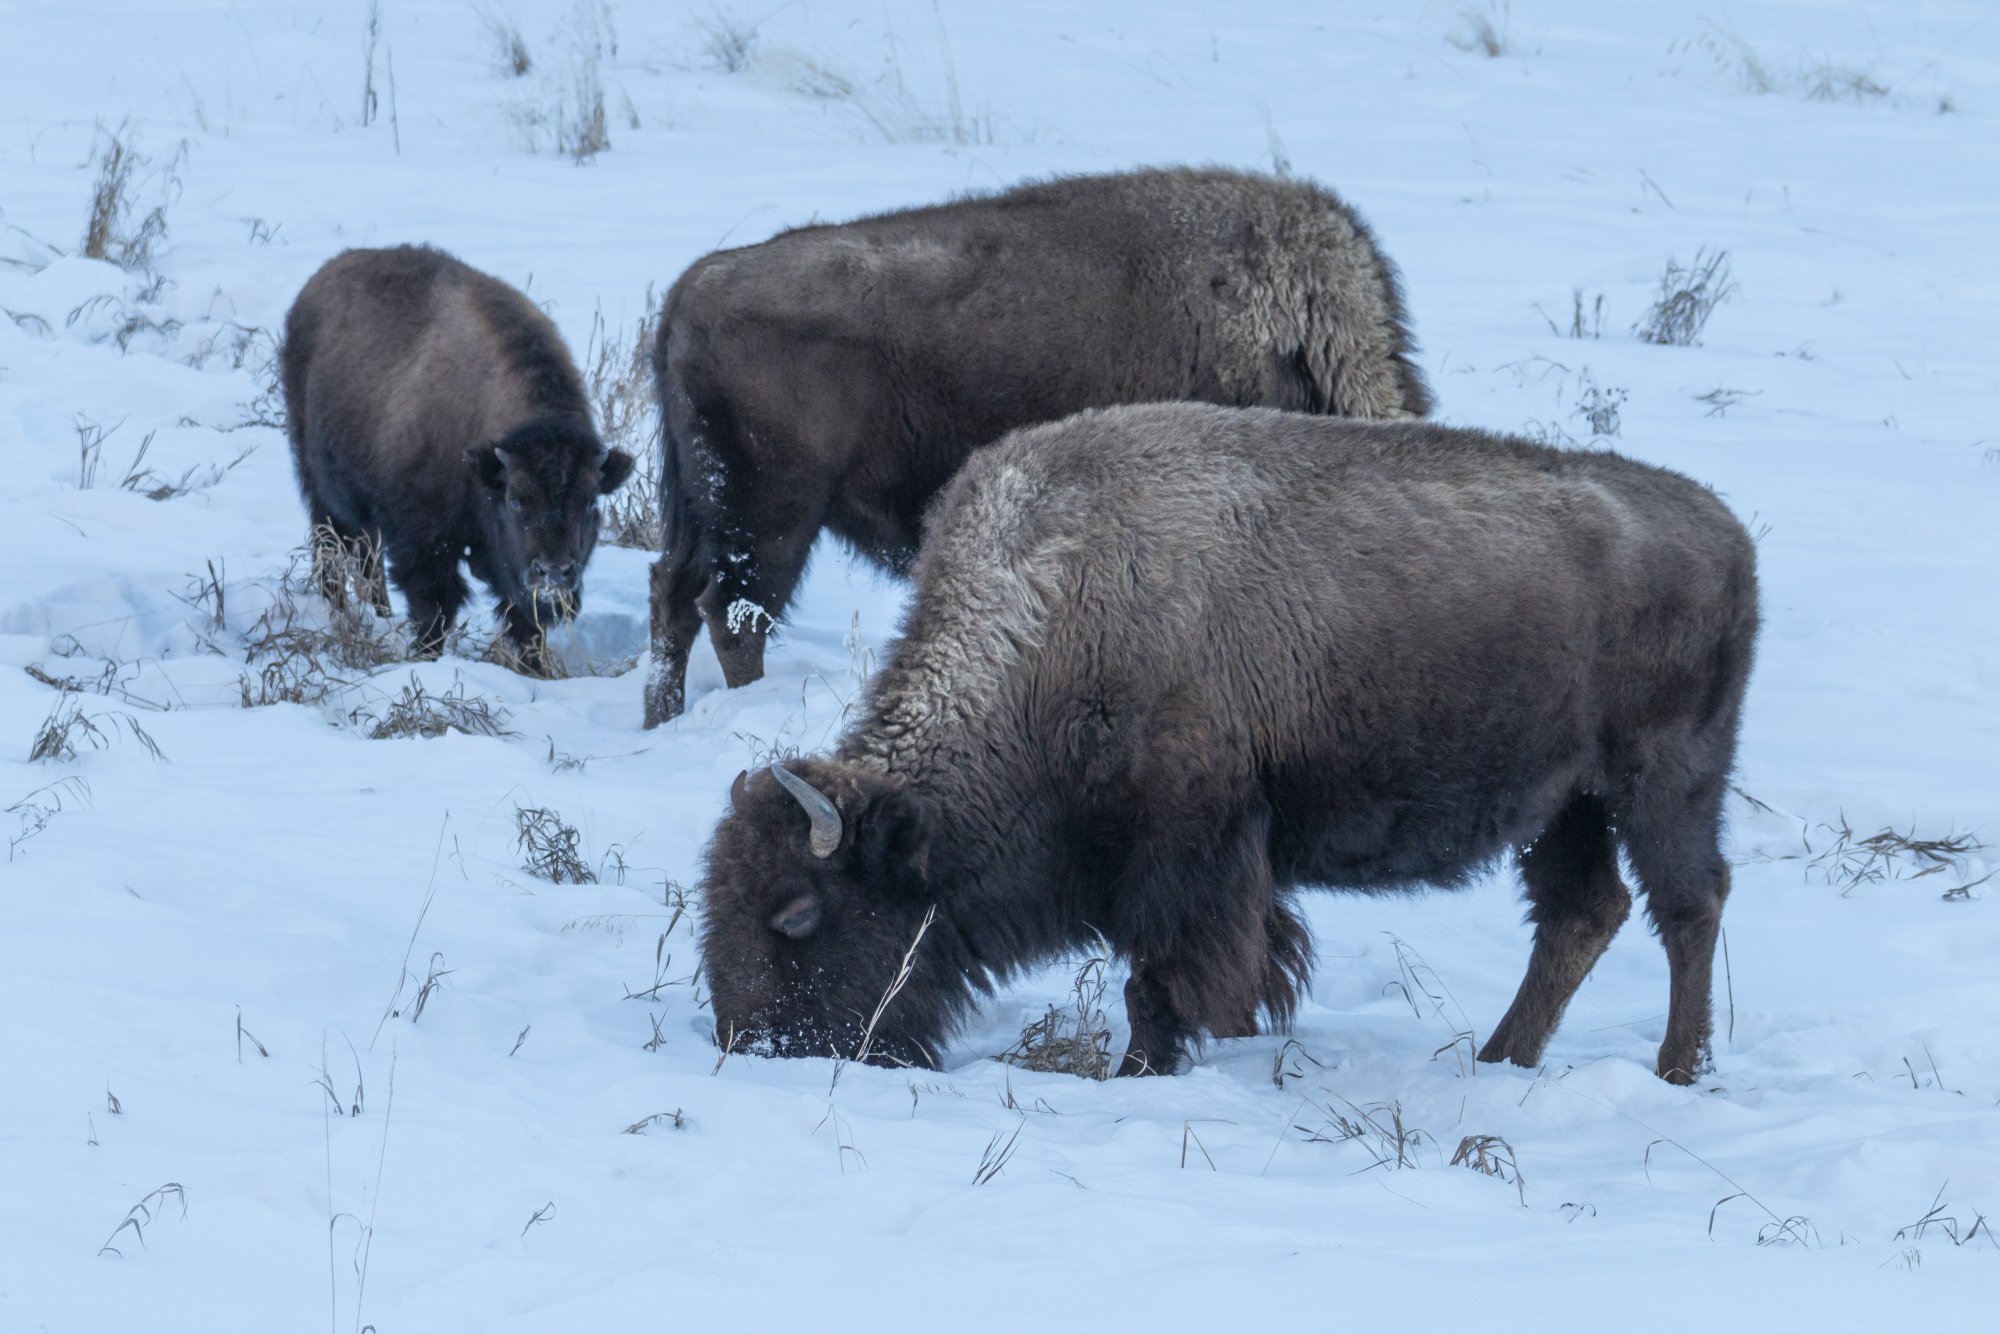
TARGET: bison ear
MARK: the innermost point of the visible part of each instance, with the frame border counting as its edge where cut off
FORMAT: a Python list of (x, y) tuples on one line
[(487, 466), (611, 473), (893, 842)]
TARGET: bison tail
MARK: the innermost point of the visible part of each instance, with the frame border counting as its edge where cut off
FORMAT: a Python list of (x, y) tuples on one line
[(680, 575), (1287, 965)]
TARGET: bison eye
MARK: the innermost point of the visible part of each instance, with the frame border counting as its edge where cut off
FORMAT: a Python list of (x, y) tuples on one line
[(514, 504), (799, 918)]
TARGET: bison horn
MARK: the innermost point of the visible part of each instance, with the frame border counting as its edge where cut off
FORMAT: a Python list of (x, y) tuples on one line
[(825, 836)]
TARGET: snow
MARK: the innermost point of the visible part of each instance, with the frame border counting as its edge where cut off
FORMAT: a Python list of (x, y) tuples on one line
[(280, 869)]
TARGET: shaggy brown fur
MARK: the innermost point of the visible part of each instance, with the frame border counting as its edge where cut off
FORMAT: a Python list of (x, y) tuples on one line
[(435, 411), (838, 376), (1166, 663)]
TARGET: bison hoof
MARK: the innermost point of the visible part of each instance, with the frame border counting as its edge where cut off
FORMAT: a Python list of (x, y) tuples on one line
[(1675, 1072), (1136, 1063), (1684, 1067), (1504, 1046), (663, 707)]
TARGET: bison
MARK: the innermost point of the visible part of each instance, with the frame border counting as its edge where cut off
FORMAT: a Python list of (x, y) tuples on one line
[(1167, 663), (435, 412), (836, 377)]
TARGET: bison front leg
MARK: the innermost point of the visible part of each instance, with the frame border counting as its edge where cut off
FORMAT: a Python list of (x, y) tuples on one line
[(435, 590), (764, 541), (528, 636), (1211, 941), (738, 627), (1159, 1034)]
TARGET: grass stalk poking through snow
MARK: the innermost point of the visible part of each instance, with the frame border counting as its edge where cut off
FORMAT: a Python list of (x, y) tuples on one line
[(1688, 296), (551, 847)]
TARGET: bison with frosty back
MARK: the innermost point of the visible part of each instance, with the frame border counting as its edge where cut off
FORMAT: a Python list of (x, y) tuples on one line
[(1167, 663), (836, 377), (434, 411)]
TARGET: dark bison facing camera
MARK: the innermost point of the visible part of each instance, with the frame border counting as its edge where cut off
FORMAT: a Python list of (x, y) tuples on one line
[(1165, 664), (434, 410), (836, 377)]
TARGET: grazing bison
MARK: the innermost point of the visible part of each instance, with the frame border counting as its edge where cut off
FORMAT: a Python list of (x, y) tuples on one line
[(838, 376), (1166, 663), (434, 411)]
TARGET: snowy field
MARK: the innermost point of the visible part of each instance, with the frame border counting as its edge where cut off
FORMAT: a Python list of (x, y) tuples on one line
[(291, 1037)]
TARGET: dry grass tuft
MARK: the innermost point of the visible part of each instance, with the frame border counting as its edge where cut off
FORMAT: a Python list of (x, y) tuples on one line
[(1721, 399), (1486, 33), (294, 656), (1816, 80), (506, 46), (1688, 296), (416, 712), (676, 1118), (582, 130), (1415, 978), (138, 478), (552, 849), (1734, 57), (1828, 82), (1949, 1226), (998, 1153), (39, 808), (140, 1216), (1582, 323), (726, 40), (1492, 1156), (1599, 408), (68, 726), (1377, 1129), (120, 228), (1850, 860), (619, 377), (1071, 1040)]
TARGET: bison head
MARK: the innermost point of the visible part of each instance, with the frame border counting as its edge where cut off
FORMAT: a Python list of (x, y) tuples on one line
[(539, 484), (819, 879)]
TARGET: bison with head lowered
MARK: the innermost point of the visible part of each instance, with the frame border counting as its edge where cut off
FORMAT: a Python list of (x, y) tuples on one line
[(1167, 664)]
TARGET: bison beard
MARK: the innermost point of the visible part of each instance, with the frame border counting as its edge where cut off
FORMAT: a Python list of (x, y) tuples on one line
[(1166, 664)]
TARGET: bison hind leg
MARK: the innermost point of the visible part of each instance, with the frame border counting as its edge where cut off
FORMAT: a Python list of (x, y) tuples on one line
[(1672, 836), (1577, 903), (675, 585)]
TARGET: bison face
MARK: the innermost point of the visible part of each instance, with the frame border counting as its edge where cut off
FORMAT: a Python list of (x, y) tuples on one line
[(818, 882), (540, 485)]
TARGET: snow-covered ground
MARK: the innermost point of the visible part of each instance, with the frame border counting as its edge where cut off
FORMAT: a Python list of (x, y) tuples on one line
[(210, 960)]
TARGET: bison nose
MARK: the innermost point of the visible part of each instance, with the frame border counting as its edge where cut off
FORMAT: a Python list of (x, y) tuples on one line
[(545, 574)]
